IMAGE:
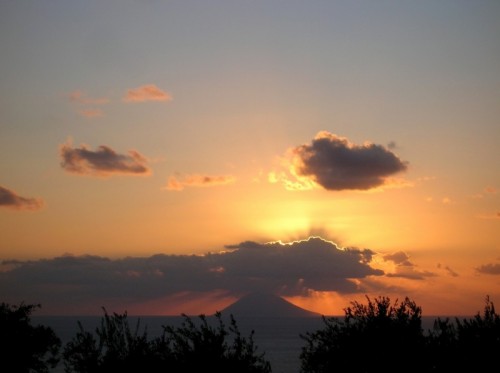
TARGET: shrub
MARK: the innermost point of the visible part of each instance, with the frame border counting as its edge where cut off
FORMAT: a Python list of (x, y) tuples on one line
[(370, 338), (192, 347), (24, 347)]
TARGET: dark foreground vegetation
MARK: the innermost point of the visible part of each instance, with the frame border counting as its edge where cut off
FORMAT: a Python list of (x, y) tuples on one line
[(377, 336)]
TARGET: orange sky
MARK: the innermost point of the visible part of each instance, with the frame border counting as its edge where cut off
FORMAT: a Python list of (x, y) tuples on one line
[(136, 136)]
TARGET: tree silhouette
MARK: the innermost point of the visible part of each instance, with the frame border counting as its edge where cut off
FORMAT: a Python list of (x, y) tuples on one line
[(192, 347), (24, 347), (469, 344), (202, 347), (370, 338), (113, 347)]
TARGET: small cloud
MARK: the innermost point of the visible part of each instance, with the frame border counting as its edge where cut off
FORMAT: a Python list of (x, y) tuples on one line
[(392, 145), (12, 200), (82, 98), (334, 163), (451, 272), (399, 258), (489, 269), (149, 92), (446, 201), (491, 190), (102, 162), (405, 268), (196, 180), (91, 113)]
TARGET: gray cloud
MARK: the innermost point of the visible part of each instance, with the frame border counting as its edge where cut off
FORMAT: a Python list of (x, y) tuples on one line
[(489, 269), (405, 268), (448, 270), (285, 269), (337, 164), (102, 162), (400, 258), (12, 200)]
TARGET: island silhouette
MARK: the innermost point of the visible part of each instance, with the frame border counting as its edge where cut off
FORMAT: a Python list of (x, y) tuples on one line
[(261, 304)]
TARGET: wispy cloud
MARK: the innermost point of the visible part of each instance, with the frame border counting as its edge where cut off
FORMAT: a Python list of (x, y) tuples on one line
[(12, 200), (82, 98), (491, 190), (176, 182), (148, 92), (87, 104), (286, 269), (334, 163), (91, 113), (448, 270), (102, 162)]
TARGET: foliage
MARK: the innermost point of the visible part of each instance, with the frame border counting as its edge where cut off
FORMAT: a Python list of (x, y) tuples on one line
[(373, 337), (202, 347), (469, 344), (369, 338), (191, 347), (24, 347), (114, 347)]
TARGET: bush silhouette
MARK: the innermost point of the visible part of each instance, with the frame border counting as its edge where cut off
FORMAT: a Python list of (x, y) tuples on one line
[(201, 347), (370, 338), (381, 336), (192, 347), (468, 344), (24, 347), (113, 347)]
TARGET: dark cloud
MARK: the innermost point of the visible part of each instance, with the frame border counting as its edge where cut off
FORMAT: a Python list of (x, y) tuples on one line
[(405, 268), (392, 145), (489, 269), (337, 164), (12, 200), (285, 269), (102, 162), (448, 270), (400, 258)]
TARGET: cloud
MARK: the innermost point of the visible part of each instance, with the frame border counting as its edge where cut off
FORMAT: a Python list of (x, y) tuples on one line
[(285, 269), (392, 145), (448, 270), (91, 113), (196, 180), (404, 267), (399, 258), (491, 190), (12, 200), (82, 98), (148, 92), (335, 163), (102, 162), (489, 269)]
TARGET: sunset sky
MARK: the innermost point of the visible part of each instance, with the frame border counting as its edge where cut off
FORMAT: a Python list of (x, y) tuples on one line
[(171, 156)]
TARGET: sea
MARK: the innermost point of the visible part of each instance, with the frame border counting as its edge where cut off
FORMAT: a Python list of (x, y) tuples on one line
[(279, 338)]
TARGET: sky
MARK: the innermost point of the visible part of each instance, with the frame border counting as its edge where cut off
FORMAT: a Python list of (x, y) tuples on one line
[(163, 157)]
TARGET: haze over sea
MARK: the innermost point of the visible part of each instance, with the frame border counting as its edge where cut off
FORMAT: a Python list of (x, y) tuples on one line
[(278, 337)]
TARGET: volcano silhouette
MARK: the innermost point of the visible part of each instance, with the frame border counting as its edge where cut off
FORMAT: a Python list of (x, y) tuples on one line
[(265, 305)]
